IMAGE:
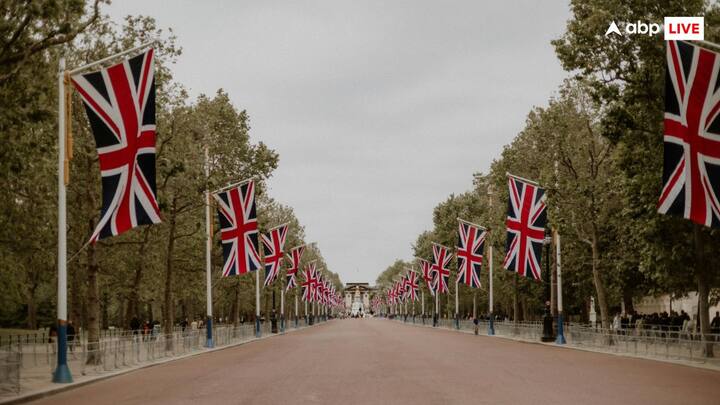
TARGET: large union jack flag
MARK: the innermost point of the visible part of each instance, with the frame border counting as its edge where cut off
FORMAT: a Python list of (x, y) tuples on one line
[(295, 257), (308, 285), (525, 228), (691, 173), (428, 275), (120, 105), (273, 244), (239, 231), (471, 245), (441, 261)]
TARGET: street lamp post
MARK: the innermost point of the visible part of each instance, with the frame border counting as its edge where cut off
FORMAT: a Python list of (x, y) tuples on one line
[(548, 335)]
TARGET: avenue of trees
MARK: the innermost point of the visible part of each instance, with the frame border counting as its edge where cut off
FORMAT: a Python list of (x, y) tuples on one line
[(152, 272), (597, 147)]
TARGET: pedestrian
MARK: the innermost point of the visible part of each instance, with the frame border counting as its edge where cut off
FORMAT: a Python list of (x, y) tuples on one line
[(715, 324), (71, 336)]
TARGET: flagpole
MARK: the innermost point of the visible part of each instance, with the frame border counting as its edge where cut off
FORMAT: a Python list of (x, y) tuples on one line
[(475, 320), (282, 308), (491, 320), (306, 313), (457, 304), (111, 57), (422, 305), (296, 309), (208, 251), (62, 371), (436, 319), (257, 303), (560, 332)]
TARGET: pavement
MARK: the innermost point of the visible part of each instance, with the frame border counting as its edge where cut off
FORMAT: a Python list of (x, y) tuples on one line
[(361, 361)]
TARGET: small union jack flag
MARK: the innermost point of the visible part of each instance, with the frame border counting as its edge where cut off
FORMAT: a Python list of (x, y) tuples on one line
[(295, 256), (471, 244), (525, 227), (238, 226), (441, 257), (273, 244), (428, 275), (308, 286), (120, 105), (691, 173)]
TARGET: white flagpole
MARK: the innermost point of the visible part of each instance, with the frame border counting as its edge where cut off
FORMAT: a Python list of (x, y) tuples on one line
[(296, 309), (62, 372), (561, 335), (282, 308), (457, 304), (491, 320), (208, 251), (257, 303)]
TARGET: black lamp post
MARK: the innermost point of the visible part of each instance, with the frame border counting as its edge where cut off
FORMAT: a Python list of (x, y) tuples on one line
[(273, 316), (548, 333)]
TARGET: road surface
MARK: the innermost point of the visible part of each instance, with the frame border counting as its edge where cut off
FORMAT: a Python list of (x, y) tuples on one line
[(372, 361)]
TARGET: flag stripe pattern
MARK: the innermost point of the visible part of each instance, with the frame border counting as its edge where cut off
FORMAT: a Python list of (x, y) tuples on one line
[(239, 230), (120, 106), (525, 228), (471, 245), (428, 275), (441, 261), (273, 245), (295, 257), (691, 169)]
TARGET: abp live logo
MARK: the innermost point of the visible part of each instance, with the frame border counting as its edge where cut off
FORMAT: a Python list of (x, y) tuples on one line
[(684, 28), (675, 28)]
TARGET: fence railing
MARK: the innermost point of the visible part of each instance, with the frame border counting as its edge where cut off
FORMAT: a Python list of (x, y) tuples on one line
[(645, 342), (22, 360)]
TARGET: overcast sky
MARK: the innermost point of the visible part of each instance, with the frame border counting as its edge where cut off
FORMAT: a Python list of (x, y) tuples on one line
[(378, 109)]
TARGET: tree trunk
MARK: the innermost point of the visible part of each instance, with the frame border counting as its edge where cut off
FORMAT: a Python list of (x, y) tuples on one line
[(168, 311), (703, 291), (133, 308), (599, 286), (105, 310), (627, 300), (31, 309), (93, 306)]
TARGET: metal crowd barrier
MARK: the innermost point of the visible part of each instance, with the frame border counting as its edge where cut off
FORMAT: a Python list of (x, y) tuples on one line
[(34, 355)]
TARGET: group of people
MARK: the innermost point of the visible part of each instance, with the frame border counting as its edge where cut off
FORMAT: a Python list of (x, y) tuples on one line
[(663, 322)]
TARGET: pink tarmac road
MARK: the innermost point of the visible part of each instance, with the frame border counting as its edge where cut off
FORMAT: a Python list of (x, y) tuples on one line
[(372, 361)]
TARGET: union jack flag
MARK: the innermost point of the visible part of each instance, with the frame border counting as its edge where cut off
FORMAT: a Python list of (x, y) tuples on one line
[(319, 287), (525, 228), (411, 286), (273, 244), (295, 256), (471, 244), (441, 257), (308, 286), (428, 275), (120, 105), (691, 173), (238, 226)]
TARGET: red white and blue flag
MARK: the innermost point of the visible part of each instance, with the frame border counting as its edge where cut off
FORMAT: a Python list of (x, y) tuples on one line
[(428, 275), (525, 227), (238, 229), (411, 286), (308, 285), (295, 257), (471, 245), (120, 105), (273, 244), (691, 170), (441, 261)]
